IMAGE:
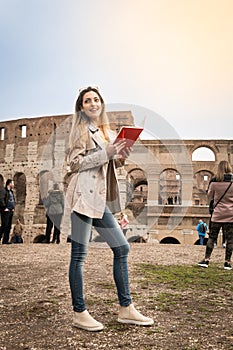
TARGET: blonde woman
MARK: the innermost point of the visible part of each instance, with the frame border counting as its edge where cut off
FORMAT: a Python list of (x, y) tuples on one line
[(93, 197), (221, 191)]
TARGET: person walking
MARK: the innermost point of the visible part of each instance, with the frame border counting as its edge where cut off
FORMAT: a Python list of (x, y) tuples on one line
[(93, 197), (124, 223), (54, 205), (221, 191), (202, 229), (7, 207)]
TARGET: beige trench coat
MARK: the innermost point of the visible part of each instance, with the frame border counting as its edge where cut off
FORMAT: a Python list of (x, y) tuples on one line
[(94, 183)]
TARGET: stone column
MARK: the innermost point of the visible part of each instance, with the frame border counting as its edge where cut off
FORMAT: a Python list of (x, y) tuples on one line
[(187, 185), (32, 173), (121, 176)]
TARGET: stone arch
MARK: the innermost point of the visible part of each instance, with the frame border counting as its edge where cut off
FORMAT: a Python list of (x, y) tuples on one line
[(137, 185), (200, 185), (170, 187), (136, 190), (204, 153), (169, 240), (20, 195)]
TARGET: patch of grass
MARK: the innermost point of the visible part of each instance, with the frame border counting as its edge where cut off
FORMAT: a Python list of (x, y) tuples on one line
[(186, 277), (105, 285), (153, 331), (116, 326)]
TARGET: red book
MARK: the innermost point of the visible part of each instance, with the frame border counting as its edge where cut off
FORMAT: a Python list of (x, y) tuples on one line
[(130, 134)]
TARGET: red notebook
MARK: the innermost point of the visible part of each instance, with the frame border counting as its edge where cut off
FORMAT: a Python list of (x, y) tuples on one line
[(130, 134)]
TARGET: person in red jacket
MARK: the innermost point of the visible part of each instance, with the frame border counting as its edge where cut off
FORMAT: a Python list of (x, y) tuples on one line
[(221, 191)]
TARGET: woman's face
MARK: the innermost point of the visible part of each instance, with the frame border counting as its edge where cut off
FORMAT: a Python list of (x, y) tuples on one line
[(92, 106)]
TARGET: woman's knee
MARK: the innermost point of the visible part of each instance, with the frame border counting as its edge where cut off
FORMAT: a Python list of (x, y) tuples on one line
[(78, 251), (121, 250)]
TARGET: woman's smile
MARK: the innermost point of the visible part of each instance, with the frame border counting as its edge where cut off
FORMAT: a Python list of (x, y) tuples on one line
[(92, 106)]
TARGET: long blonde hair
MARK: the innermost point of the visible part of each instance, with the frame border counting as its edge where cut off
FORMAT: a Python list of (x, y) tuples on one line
[(224, 167), (81, 120)]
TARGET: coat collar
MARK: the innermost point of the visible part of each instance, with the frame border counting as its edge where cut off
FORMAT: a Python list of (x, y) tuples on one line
[(95, 135), (93, 128)]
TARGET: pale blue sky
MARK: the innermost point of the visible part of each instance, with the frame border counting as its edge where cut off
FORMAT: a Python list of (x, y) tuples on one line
[(173, 57)]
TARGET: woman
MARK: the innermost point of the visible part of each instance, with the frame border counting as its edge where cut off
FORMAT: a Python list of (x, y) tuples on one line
[(221, 191), (124, 223), (93, 196)]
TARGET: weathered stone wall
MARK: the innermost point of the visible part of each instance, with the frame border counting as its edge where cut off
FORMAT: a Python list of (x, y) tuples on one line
[(35, 159)]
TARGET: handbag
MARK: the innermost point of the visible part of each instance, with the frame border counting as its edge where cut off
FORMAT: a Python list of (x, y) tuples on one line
[(211, 204)]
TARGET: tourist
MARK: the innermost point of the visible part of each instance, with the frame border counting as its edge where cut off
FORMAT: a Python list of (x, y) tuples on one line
[(7, 207), (93, 196), (124, 223), (221, 191), (54, 204), (202, 229), (17, 232)]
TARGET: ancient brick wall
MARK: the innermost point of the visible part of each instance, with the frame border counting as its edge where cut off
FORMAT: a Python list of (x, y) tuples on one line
[(33, 152)]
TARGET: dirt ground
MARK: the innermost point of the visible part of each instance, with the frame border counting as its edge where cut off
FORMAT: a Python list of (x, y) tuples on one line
[(36, 311)]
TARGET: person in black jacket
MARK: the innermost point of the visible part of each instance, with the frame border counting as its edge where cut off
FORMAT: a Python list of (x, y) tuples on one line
[(7, 206)]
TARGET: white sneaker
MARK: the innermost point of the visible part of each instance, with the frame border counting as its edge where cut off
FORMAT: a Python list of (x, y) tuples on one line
[(129, 315), (85, 321)]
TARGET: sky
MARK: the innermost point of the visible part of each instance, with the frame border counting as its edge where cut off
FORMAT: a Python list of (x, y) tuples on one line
[(169, 58)]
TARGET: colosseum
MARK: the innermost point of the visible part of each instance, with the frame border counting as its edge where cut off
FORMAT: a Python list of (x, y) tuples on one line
[(163, 183)]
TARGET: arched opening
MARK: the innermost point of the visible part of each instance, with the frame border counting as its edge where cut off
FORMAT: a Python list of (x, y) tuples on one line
[(200, 185), (203, 154), (137, 191), (20, 195), (44, 183), (170, 187), (169, 240), (138, 184), (140, 191)]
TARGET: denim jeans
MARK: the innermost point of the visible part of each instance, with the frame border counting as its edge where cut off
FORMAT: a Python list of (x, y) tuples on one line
[(201, 238), (110, 231)]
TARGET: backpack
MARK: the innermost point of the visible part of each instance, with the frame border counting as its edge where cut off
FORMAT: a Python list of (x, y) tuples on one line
[(202, 228)]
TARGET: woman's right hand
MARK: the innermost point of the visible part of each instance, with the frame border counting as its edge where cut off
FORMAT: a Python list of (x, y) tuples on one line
[(116, 148)]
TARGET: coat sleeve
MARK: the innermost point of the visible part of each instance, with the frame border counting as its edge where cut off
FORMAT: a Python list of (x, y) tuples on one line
[(210, 193), (46, 202), (81, 160)]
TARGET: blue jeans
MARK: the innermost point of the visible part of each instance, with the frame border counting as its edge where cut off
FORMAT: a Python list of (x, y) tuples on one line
[(109, 229), (201, 239)]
